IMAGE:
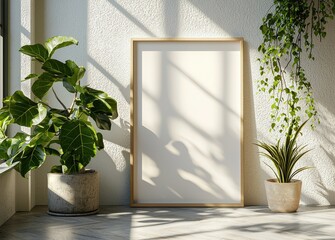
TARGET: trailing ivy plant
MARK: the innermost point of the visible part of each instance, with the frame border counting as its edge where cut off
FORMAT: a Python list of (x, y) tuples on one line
[(289, 31), (66, 133)]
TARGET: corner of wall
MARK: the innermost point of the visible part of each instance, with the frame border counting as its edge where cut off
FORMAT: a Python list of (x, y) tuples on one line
[(21, 32), (7, 196)]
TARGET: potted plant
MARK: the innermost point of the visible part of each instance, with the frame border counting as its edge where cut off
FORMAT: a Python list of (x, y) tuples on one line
[(67, 133), (289, 30), (283, 192)]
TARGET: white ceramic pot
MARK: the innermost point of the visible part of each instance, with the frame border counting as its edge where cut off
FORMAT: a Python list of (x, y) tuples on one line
[(283, 197), (73, 194)]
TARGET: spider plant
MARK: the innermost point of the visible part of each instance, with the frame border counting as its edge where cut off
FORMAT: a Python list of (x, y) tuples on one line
[(285, 156)]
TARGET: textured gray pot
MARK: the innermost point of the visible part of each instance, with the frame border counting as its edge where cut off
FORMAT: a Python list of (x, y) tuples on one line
[(73, 194), (283, 197)]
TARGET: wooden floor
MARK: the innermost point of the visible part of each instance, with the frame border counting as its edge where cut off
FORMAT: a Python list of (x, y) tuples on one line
[(175, 223)]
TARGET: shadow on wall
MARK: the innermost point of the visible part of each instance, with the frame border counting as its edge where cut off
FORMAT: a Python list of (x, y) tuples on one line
[(124, 90), (184, 182), (225, 16), (132, 18), (254, 176), (321, 179), (321, 77), (215, 11), (172, 18)]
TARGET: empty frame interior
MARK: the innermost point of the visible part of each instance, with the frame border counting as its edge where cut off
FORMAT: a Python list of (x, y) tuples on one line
[(186, 122)]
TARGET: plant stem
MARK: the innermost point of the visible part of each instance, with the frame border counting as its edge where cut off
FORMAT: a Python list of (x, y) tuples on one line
[(53, 90), (72, 104), (45, 104)]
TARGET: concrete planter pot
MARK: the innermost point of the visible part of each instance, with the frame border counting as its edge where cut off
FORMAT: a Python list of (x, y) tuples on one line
[(283, 197), (73, 194)]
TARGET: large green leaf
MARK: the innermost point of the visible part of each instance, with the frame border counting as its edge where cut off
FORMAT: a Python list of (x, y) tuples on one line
[(54, 66), (102, 120), (42, 138), (58, 119), (4, 146), (78, 141), (5, 120), (31, 158), (71, 163), (43, 84), (54, 43), (15, 146), (106, 105), (38, 51), (17, 142), (24, 111)]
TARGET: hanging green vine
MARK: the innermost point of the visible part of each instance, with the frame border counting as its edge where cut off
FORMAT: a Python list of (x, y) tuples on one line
[(289, 30)]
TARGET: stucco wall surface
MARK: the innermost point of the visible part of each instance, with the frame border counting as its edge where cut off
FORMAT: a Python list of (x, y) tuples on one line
[(105, 28), (7, 196)]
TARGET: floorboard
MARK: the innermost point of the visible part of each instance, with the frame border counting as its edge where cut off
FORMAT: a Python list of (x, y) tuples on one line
[(120, 222)]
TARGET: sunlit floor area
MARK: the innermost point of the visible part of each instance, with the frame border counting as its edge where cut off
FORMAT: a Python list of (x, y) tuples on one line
[(174, 223)]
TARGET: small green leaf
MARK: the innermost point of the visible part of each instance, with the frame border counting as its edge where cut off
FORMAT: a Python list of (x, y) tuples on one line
[(58, 119), (52, 151), (56, 169), (78, 72), (68, 86), (30, 76), (100, 141), (54, 43), (264, 29)]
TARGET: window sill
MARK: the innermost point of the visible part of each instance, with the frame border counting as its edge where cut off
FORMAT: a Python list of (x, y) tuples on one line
[(4, 167)]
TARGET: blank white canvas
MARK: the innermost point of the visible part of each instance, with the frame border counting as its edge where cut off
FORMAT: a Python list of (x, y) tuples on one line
[(189, 123)]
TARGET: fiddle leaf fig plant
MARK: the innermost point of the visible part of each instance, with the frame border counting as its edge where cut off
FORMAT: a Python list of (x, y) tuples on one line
[(68, 132), (289, 30)]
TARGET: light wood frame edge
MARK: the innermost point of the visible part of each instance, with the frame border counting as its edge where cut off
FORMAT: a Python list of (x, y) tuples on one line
[(133, 116)]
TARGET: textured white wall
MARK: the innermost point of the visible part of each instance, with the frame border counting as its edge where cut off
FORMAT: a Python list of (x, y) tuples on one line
[(104, 29), (7, 196), (21, 27)]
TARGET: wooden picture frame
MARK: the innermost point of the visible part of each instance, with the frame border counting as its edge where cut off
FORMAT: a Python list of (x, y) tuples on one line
[(187, 123)]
